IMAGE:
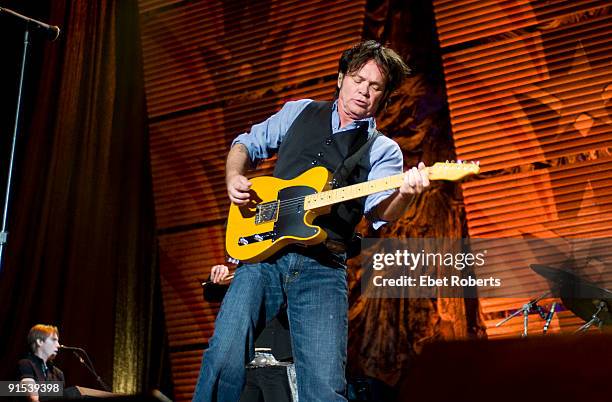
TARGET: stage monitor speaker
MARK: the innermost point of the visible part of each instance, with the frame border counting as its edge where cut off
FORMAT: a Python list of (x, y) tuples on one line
[(544, 368)]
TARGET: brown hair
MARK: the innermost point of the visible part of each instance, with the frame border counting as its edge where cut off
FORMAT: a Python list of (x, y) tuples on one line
[(391, 64), (40, 332)]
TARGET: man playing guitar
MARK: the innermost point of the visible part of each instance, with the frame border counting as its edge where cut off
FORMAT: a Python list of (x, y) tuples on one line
[(311, 281)]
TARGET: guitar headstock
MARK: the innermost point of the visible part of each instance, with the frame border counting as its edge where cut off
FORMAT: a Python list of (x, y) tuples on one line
[(453, 171)]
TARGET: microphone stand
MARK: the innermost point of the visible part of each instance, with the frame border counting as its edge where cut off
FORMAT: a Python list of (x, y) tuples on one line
[(89, 366), (26, 41), (3, 232)]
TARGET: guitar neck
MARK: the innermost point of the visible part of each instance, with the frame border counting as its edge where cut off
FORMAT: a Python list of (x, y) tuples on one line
[(330, 197), (439, 171)]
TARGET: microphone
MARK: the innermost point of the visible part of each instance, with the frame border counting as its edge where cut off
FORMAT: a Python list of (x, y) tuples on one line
[(70, 348), (51, 30)]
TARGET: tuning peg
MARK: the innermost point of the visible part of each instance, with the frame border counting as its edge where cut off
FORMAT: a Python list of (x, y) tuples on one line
[(459, 161)]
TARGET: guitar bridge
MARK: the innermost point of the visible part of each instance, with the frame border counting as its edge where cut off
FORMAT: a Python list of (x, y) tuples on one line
[(256, 238), (266, 212)]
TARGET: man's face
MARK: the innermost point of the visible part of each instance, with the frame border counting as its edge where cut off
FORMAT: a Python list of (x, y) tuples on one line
[(49, 347), (361, 91)]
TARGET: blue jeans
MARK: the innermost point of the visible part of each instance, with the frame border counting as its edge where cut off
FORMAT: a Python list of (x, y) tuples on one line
[(317, 306)]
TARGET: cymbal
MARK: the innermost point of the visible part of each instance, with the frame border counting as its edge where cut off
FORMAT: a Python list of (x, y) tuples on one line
[(579, 295), (568, 284)]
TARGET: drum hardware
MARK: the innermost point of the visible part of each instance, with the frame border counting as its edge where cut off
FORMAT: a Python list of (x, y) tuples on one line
[(204, 283), (525, 310), (585, 299), (549, 317), (602, 307)]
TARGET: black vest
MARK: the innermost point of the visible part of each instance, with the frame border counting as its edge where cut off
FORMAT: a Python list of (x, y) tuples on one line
[(308, 143)]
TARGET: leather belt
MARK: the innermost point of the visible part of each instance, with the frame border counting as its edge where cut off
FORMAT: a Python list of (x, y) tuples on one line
[(330, 252), (334, 246)]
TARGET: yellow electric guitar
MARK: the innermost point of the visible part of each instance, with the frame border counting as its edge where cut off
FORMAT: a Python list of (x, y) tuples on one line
[(281, 212)]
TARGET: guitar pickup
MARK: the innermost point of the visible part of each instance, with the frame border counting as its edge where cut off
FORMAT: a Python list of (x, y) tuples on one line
[(256, 238), (266, 212)]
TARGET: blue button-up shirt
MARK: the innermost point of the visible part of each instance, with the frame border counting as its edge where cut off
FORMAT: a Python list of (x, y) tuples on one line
[(265, 138)]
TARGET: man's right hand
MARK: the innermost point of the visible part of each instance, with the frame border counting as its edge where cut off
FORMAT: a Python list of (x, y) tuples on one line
[(238, 188)]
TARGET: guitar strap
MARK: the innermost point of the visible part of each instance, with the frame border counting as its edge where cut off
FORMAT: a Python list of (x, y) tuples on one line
[(341, 175), (348, 165)]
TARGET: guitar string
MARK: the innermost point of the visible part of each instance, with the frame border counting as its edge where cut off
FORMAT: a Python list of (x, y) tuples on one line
[(271, 206), (297, 200), (290, 202), (284, 205), (283, 211), (293, 202)]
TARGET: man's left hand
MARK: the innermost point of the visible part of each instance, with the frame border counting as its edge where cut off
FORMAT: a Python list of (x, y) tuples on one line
[(416, 180)]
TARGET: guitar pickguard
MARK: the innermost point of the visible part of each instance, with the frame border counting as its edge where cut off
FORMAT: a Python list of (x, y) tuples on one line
[(290, 220)]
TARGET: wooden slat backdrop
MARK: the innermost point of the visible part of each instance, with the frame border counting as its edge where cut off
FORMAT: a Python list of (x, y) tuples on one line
[(212, 69), (183, 378), (529, 85), (460, 21)]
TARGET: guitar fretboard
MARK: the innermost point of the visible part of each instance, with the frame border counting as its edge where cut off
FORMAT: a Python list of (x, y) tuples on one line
[(342, 194), (439, 171)]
